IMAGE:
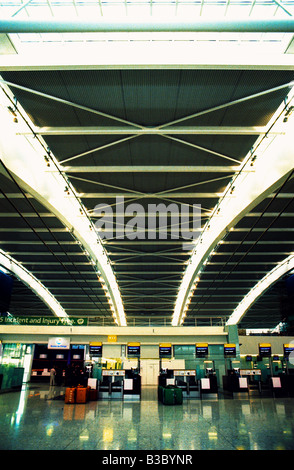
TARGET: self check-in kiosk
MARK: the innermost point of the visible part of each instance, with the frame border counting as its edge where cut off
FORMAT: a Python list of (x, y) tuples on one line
[(181, 378), (132, 385), (111, 385), (120, 384), (186, 380), (208, 387), (233, 383), (289, 371)]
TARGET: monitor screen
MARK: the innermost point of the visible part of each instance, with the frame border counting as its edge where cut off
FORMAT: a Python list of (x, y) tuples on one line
[(165, 352), (230, 350), (201, 350), (95, 350), (288, 349), (133, 351), (265, 350)]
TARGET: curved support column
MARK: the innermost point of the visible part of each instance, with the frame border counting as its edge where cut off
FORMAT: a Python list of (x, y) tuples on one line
[(26, 158), (33, 283), (262, 172), (259, 289)]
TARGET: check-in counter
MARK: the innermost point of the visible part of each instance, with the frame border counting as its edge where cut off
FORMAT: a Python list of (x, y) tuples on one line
[(209, 387), (119, 384), (186, 380), (280, 386), (253, 378), (132, 385), (111, 385), (242, 382)]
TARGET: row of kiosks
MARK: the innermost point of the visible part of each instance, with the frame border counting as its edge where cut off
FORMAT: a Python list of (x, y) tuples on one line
[(192, 386), (186, 380), (260, 376), (118, 384), (208, 383)]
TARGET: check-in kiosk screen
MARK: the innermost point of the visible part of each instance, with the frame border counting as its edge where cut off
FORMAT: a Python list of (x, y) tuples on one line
[(165, 352), (95, 350), (265, 350), (133, 351), (201, 350), (229, 350)]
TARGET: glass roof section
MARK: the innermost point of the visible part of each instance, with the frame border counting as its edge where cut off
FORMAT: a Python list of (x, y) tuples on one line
[(154, 9), (70, 9)]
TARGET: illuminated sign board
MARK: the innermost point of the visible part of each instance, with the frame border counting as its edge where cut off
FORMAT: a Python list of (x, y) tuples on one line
[(95, 349), (201, 350), (265, 349), (112, 338), (229, 350), (165, 350), (133, 350)]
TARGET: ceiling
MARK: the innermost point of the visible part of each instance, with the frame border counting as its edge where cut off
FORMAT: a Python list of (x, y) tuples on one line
[(174, 136), (148, 271)]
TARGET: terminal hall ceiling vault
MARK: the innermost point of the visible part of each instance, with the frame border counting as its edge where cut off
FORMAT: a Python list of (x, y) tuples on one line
[(148, 137)]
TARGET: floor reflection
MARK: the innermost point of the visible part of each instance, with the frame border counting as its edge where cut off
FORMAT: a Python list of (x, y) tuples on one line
[(38, 418)]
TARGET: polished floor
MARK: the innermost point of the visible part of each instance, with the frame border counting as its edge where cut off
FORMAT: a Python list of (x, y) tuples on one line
[(37, 418)]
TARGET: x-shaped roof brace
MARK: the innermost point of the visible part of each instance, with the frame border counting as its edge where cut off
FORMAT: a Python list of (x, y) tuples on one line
[(143, 130)]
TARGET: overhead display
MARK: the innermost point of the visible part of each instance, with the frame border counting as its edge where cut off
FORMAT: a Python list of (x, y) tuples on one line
[(288, 349), (229, 350), (165, 350), (133, 350), (265, 349), (95, 349), (201, 350)]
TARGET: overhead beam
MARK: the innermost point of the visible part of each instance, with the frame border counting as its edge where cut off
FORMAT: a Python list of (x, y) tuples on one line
[(167, 194), (118, 26), (151, 54), (179, 130), (150, 169), (125, 195)]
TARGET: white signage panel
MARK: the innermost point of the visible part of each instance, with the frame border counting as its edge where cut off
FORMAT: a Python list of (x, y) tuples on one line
[(58, 343)]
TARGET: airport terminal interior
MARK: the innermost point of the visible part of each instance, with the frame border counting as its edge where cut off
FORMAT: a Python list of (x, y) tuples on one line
[(146, 225)]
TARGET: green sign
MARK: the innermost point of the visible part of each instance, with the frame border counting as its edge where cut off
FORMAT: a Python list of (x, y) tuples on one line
[(44, 321)]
